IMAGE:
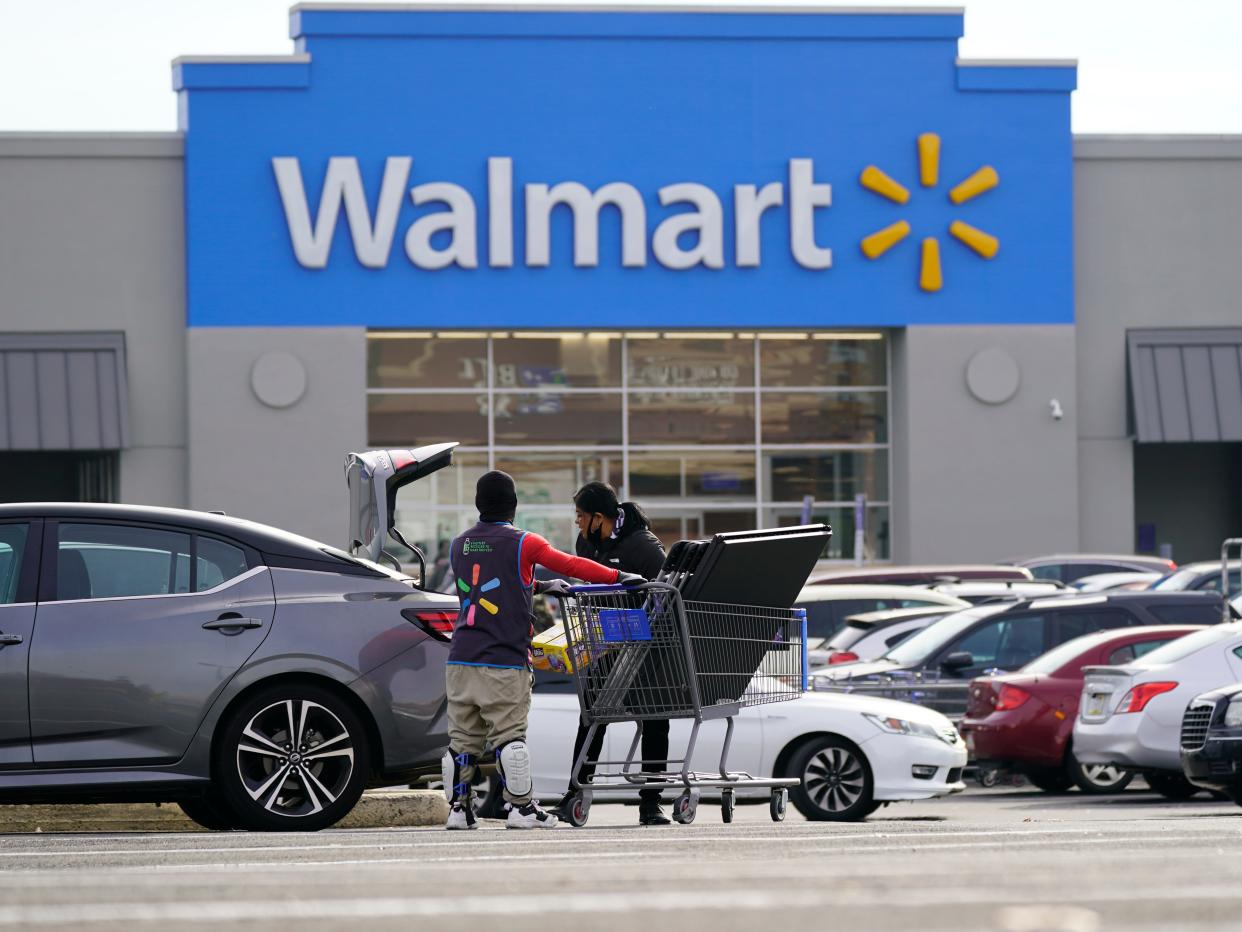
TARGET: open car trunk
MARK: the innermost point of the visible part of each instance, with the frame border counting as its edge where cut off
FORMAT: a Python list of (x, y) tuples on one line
[(374, 478)]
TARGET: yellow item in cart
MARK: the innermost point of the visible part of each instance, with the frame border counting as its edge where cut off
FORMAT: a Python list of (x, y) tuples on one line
[(549, 650)]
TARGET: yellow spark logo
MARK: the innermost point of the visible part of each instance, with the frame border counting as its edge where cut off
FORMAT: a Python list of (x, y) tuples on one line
[(881, 241)]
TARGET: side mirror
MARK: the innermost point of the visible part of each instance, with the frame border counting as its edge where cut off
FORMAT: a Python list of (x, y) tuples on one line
[(958, 660)]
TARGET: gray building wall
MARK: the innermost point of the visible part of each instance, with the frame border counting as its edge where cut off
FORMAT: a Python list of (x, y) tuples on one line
[(92, 238), (278, 465), (975, 481), (1156, 245)]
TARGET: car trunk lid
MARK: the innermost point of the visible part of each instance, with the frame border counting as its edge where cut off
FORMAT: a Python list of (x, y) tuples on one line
[(374, 478), (1102, 689)]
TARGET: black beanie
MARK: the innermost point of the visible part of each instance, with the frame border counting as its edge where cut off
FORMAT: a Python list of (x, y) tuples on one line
[(496, 496)]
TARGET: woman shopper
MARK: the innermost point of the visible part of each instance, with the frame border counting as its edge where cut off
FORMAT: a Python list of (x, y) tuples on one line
[(618, 535)]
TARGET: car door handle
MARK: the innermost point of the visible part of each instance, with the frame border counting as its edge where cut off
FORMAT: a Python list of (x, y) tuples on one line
[(8, 640), (231, 620)]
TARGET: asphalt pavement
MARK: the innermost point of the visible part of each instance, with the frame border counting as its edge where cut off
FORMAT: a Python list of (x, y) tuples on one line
[(1013, 860)]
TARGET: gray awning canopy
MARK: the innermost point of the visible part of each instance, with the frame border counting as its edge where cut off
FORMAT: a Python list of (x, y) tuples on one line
[(1186, 385), (63, 391)]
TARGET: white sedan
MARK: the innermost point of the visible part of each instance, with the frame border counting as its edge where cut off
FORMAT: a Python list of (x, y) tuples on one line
[(1131, 715), (852, 753)]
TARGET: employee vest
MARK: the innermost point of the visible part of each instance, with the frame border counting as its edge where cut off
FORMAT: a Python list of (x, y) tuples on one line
[(494, 622)]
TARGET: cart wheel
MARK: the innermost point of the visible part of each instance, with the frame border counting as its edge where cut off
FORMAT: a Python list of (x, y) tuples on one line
[(579, 810), (685, 808), (726, 806), (776, 805)]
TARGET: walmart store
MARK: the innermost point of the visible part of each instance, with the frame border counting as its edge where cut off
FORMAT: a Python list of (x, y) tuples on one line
[(730, 260)]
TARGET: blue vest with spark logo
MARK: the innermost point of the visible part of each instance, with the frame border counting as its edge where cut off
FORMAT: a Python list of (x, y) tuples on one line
[(493, 626)]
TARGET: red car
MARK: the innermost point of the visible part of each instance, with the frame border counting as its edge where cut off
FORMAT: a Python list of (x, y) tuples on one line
[(1024, 721)]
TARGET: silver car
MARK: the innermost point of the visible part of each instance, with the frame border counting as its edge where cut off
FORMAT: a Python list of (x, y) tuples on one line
[(260, 679)]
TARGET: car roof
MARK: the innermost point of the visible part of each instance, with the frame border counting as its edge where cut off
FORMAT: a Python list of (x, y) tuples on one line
[(1138, 633), (261, 537), (1090, 557), (818, 592), (931, 572), (1207, 566)]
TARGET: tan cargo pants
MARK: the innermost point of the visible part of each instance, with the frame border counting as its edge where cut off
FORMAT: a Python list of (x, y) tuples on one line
[(487, 708)]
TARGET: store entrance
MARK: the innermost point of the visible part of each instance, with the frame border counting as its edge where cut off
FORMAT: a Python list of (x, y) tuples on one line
[(58, 477), (1187, 496)]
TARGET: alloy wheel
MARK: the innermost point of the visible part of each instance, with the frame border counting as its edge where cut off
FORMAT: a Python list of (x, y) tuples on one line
[(295, 757), (834, 779), (1103, 775)]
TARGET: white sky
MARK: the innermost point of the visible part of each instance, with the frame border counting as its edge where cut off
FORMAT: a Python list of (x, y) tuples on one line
[(1145, 66)]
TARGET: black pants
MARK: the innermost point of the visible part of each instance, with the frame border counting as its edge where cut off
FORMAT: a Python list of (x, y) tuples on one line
[(654, 752)]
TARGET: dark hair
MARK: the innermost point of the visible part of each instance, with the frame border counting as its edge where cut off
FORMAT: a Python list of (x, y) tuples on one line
[(597, 498), (600, 498)]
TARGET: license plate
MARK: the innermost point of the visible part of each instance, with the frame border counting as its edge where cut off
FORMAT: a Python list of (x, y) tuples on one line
[(1095, 706), (970, 741)]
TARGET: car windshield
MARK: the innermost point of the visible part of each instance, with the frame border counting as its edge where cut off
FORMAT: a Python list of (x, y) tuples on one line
[(931, 639), (1058, 657), (1179, 580), (1184, 647)]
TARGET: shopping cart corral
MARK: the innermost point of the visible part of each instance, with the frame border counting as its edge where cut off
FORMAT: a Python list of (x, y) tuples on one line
[(644, 652)]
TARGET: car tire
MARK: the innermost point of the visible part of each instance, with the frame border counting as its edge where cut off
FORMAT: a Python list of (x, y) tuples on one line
[(835, 781), (1049, 780), (260, 769), (209, 811), (1171, 785), (1096, 779)]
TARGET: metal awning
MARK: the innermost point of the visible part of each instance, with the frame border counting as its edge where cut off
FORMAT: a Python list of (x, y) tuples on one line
[(63, 391), (1186, 385)]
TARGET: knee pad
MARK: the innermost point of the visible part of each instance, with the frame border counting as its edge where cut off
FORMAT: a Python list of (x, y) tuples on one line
[(513, 760), (453, 769)]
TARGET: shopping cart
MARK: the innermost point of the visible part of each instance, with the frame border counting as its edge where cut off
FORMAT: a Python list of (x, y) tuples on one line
[(641, 652)]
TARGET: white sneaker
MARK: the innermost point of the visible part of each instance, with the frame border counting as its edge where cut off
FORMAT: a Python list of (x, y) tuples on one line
[(529, 816), (461, 816)]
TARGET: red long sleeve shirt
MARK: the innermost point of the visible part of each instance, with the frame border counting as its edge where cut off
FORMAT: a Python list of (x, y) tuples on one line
[(537, 551)]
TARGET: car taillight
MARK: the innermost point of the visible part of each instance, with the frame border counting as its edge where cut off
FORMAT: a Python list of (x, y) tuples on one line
[(438, 624), (1010, 697), (842, 656), (1137, 698)]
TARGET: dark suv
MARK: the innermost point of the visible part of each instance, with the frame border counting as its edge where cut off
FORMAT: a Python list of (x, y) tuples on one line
[(935, 666), (1211, 745)]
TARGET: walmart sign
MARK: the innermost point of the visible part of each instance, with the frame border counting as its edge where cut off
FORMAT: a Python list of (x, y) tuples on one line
[(410, 168)]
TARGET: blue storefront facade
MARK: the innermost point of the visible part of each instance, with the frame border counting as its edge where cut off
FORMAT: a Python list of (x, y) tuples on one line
[(689, 252)]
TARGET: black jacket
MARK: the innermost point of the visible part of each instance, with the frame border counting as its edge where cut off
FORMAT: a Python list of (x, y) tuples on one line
[(634, 550)]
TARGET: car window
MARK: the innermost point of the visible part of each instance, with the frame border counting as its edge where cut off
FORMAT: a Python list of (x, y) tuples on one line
[(12, 547), (1124, 655), (217, 563), (1005, 643), (1070, 625), (101, 561), (1196, 614), (1048, 571), (899, 637), (821, 621), (1212, 583)]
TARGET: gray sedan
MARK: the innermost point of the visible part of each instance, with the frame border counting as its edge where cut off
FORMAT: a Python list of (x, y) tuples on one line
[(261, 679)]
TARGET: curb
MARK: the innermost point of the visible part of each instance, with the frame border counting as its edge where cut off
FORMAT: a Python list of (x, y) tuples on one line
[(376, 809)]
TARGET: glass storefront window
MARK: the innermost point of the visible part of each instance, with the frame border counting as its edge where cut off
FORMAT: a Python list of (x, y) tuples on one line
[(830, 476), (669, 419), (414, 420), (683, 362), (832, 417), (553, 480), (824, 360), (395, 360), (716, 417), (692, 474), (578, 360), (556, 419), (841, 519)]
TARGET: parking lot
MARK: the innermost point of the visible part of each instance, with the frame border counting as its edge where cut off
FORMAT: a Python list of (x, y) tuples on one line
[(1008, 859)]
